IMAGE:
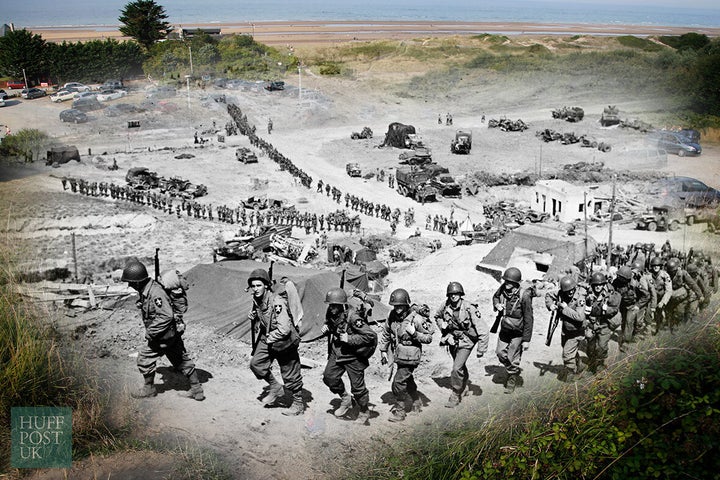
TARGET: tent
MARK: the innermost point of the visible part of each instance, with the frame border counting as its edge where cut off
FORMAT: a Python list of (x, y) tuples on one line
[(60, 155), (358, 253), (355, 277), (397, 135), (217, 296), (537, 250)]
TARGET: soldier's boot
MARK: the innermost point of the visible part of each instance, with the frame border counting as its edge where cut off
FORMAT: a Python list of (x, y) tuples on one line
[(196, 390), (511, 383), (417, 406), (345, 405), (363, 417), (148, 389), (397, 413), (275, 391), (453, 401), (297, 407)]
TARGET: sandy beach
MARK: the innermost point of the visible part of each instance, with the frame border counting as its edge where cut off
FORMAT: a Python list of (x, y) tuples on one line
[(308, 32)]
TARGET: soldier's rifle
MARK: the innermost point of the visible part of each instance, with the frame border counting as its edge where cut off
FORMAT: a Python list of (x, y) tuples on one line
[(330, 333), (554, 320), (157, 264), (254, 315), (496, 323)]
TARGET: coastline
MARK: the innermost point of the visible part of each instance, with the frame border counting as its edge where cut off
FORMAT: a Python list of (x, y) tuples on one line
[(319, 32)]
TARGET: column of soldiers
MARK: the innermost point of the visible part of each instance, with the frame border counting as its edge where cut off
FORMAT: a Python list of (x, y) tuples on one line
[(442, 224)]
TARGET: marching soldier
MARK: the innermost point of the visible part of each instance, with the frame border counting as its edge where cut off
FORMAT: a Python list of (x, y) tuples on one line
[(697, 303), (405, 332), (161, 333), (275, 338), (626, 286), (569, 302), (602, 306), (515, 312), (647, 296), (461, 328), (682, 285), (351, 343), (663, 290)]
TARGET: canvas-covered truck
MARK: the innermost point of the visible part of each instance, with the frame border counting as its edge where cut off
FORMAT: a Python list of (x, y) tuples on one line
[(141, 178), (353, 169), (610, 116), (665, 217), (462, 143), (415, 183), (245, 155)]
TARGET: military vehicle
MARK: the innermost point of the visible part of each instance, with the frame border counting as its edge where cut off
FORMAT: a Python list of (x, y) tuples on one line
[(353, 169), (366, 133), (245, 155), (180, 187), (275, 85), (665, 217), (243, 245), (141, 178), (415, 183), (462, 143), (610, 116), (446, 185), (417, 156), (569, 114)]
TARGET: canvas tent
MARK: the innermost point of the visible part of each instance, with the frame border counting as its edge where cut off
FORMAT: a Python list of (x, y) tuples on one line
[(537, 250), (358, 253), (217, 296), (397, 135), (60, 155)]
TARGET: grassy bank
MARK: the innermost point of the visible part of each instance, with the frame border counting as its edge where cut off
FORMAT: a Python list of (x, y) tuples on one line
[(653, 414)]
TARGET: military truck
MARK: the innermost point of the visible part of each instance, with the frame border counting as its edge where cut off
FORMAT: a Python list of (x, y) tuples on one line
[(417, 156), (569, 114), (462, 143), (141, 178), (353, 169), (180, 187), (665, 217), (610, 116), (446, 185), (275, 85), (366, 133), (243, 245), (245, 155), (415, 183)]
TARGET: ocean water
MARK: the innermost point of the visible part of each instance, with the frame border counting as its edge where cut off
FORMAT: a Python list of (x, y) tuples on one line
[(692, 13)]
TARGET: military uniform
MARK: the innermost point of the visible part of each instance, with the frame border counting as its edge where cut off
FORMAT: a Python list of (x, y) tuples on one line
[(683, 286), (663, 290), (407, 349), (515, 327), (461, 328), (350, 356), (602, 311), (273, 326), (631, 296), (571, 312)]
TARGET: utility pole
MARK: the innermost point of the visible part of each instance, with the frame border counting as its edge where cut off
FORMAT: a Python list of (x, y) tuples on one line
[(585, 220), (300, 83), (612, 214), (191, 64), (74, 251)]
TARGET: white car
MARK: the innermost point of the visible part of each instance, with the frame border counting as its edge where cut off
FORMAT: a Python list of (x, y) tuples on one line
[(79, 87), (106, 95), (62, 96), (84, 94)]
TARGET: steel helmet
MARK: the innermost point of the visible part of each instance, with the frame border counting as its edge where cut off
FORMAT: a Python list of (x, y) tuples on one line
[(625, 272), (673, 264), (598, 278), (337, 296), (454, 288), (638, 245), (567, 284), (134, 271), (656, 262), (259, 274), (400, 297), (637, 265), (692, 268), (512, 274)]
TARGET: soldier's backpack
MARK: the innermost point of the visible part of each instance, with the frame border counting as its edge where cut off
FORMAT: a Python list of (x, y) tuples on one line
[(176, 287)]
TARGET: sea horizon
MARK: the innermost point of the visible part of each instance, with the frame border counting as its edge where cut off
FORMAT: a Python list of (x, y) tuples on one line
[(41, 14)]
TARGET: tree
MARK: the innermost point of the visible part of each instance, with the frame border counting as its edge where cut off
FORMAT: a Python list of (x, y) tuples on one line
[(144, 20), (22, 50)]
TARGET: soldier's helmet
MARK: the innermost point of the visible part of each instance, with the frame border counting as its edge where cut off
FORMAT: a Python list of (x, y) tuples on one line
[(625, 272), (637, 265), (639, 245), (337, 296), (513, 275), (455, 288), (672, 265), (259, 274), (400, 297), (134, 271), (692, 268), (567, 284), (598, 278), (656, 262)]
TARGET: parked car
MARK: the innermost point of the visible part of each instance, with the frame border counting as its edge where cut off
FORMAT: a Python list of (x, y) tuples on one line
[(77, 86), (87, 104), (63, 96), (33, 93), (106, 95), (16, 85), (85, 95), (3, 94), (112, 85), (2, 102), (158, 93), (73, 115), (690, 191), (678, 143)]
